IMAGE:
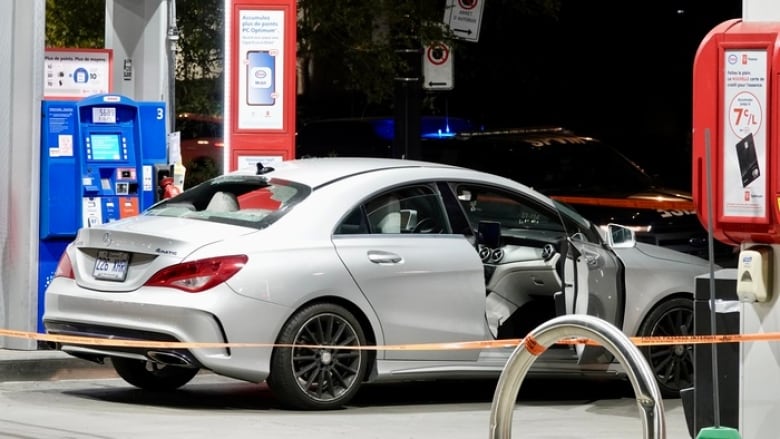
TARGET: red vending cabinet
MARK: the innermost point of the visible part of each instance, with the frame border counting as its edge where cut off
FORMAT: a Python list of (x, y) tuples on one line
[(261, 88), (735, 118)]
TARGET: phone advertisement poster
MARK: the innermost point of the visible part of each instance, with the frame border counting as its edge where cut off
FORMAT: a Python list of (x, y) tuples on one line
[(261, 69), (744, 137)]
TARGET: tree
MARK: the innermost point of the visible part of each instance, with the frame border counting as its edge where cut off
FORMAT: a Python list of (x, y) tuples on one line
[(75, 23), (348, 50), (81, 24), (200, 61), (351, 48)]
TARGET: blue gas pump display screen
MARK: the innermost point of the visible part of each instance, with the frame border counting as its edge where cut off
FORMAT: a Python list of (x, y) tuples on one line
[(106, 146)]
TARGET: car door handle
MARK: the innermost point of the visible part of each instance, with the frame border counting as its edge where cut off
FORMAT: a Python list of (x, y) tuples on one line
[(380, 257)]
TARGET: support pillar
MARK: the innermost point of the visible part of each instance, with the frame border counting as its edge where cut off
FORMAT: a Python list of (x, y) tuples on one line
[(22, 31), (759, 408), (137, 31)]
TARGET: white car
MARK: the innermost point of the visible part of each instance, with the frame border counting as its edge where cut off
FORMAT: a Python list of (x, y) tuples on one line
[(302, 274)]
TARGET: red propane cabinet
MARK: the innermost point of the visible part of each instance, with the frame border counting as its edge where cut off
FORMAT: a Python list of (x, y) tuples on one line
[(735, 118)]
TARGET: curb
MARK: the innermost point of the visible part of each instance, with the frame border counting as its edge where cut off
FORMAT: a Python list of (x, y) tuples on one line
[(48, 365)]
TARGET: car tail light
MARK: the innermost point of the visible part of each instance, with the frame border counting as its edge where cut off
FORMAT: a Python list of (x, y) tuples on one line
[(197, 276), (64, 267)]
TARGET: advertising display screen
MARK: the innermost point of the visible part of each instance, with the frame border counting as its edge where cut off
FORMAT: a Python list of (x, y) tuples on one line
[(105, 147)]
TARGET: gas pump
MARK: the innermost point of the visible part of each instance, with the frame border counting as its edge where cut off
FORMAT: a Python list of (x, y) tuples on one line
[(98, 161), (736, 142)]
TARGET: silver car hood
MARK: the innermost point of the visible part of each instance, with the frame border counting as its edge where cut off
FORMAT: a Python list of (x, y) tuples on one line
[(664, 253)]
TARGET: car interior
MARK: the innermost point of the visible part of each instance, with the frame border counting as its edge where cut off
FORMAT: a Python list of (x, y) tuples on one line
[(223, 202), (522, 246), (407, 210), (521, 249)]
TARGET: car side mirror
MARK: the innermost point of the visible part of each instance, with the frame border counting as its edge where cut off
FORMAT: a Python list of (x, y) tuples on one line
[(620, 236)]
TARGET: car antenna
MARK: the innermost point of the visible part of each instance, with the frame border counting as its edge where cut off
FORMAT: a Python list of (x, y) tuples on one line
[(263, 169)]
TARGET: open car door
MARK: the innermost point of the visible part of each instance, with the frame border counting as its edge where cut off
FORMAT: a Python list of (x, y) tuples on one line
[(541, 261), (594, 279)]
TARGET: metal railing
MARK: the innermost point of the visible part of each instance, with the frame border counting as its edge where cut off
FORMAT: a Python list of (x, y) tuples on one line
[(648, 395)]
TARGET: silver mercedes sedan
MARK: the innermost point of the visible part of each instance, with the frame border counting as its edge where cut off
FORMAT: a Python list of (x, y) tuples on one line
[(319, 275)]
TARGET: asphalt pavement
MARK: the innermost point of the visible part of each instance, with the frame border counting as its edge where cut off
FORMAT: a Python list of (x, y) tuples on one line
[(52, 365)]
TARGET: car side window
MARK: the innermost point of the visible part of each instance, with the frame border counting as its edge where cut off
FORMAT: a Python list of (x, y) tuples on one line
[(353, 224), (511, 212), (578, 227), (413, 209)]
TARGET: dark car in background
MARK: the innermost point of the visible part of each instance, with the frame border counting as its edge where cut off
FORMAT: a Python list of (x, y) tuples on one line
[(202, 146), (597, 179)]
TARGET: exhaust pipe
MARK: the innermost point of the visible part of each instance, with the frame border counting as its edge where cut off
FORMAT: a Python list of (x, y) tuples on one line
[(170, 359)]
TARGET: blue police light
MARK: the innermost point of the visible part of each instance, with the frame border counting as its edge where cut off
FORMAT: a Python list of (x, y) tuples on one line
[(431, 127), (385, 128), (440, 134)]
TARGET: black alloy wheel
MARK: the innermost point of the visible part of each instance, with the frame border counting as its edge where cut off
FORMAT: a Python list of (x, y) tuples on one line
[(671, 364), (324, 371)]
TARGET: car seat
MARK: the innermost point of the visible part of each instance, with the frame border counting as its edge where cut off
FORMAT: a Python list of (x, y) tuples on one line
[(388, 215), (223, 202)]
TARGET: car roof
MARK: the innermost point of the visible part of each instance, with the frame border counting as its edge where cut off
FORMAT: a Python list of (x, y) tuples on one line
[(317, 171)]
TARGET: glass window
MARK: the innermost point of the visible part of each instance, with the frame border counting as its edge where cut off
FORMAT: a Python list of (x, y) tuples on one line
[(251, 201), (577, 226), (484, 204), (353, 224), (415, 209), (194, 127)]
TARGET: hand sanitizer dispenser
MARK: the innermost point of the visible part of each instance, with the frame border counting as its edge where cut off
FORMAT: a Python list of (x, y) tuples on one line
[(753, 274)]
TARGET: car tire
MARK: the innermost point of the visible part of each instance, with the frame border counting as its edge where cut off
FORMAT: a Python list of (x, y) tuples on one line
[(149, 375), (672, 365), (314, 378)]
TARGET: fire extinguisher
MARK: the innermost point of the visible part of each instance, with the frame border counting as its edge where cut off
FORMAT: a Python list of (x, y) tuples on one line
[(169, 189)]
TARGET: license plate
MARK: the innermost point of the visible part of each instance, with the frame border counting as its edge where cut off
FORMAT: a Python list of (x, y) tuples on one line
[(111, 265)]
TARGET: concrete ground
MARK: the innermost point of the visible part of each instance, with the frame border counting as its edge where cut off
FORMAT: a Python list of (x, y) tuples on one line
[(613, 412)]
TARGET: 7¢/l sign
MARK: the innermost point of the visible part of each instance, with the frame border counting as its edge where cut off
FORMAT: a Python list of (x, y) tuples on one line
[(464, 18)]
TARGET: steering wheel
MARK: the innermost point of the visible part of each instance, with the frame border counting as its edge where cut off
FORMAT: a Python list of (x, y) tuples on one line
[(427, 225)]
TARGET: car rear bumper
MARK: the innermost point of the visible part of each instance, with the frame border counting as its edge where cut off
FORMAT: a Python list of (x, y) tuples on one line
[(156, 323)]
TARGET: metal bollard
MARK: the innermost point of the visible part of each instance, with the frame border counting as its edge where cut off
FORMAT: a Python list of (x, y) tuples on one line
[(648, 395)]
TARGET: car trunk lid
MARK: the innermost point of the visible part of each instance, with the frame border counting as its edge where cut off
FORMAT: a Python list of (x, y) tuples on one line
[(122, 256)]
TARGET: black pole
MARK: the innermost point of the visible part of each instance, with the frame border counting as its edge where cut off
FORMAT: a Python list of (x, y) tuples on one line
[(173, 38), (406, 143)]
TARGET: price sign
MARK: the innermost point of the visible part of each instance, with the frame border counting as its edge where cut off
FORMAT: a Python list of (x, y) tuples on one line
[(745, 143), (104, 115)]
